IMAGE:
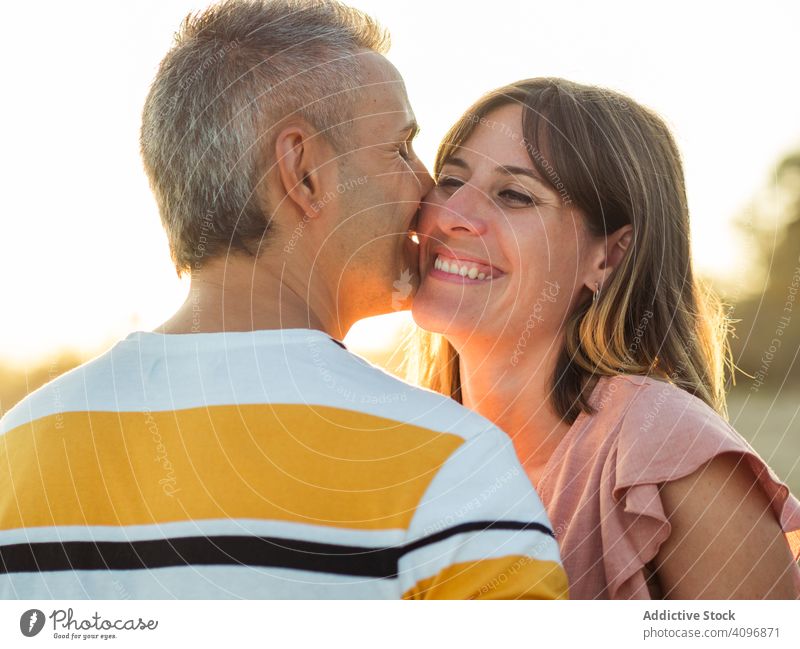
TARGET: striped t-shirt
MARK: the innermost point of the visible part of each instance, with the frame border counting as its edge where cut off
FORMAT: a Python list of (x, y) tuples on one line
[(266, 464)]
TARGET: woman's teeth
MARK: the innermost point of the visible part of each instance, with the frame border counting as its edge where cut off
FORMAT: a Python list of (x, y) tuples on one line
[(464, 269)]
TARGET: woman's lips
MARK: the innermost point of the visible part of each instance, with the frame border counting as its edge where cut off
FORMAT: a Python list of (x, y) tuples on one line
[(458, 269)]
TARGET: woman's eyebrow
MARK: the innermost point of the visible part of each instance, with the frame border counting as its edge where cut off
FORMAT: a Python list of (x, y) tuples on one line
[(506, 170), (456, 162), (511, 170)]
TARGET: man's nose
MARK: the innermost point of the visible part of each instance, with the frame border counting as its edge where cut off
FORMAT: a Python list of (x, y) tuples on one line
[(424, 178)]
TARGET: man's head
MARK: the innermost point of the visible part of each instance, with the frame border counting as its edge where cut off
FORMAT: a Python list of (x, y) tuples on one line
[(276, 129)]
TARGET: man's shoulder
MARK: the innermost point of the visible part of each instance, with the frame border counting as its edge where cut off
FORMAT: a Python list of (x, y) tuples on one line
[(376, 391), (66, 392), (149, 373)]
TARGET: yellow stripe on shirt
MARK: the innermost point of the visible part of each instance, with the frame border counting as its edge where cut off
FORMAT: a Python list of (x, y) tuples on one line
[(316, 465), (508, 577)]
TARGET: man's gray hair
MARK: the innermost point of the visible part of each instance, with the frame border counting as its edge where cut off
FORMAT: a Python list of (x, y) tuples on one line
[(236, 70)]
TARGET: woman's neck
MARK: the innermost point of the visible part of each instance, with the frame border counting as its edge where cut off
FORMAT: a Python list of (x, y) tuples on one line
[(514, 392)]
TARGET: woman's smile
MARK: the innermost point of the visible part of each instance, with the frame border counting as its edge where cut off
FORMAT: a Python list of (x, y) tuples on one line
[(461, 268)]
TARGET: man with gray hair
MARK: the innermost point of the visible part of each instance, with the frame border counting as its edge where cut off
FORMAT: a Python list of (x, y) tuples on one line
[(239, 450)]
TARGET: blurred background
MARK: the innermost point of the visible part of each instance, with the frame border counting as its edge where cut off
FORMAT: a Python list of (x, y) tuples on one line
[(84, 260)]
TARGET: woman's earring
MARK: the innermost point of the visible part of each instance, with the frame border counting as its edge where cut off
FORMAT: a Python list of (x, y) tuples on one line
[(596, 294)]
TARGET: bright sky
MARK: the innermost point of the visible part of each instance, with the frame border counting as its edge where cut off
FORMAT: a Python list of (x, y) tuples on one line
[(84, 260)]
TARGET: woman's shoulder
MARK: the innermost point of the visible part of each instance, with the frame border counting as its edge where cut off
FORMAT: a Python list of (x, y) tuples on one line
[(663, 432), (650, 400)]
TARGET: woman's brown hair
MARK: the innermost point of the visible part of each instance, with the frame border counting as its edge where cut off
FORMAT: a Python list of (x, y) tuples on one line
[(617, 162)]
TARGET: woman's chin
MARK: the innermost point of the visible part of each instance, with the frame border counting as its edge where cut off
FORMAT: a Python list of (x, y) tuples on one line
[(426, 320), (438, 321), (446, 314)]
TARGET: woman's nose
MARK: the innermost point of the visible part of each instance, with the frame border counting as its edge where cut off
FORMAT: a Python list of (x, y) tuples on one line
[(460, 213)]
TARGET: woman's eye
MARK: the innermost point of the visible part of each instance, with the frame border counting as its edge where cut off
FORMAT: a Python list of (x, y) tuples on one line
[(448, 181), (516, 197)]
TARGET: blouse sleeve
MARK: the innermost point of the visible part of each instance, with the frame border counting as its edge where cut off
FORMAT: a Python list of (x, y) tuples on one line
[(665, 435)]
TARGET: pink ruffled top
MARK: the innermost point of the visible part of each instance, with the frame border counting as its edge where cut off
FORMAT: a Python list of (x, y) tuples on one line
[(600, 486)]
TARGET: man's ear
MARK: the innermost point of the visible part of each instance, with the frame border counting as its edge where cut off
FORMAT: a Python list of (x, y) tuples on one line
[(610, 253), (301, 155)]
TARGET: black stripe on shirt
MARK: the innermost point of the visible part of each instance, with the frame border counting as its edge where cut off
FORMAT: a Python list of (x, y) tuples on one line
[(230, 550)]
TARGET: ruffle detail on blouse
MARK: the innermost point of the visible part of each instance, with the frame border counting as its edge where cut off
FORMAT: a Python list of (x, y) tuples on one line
[(667, 434)]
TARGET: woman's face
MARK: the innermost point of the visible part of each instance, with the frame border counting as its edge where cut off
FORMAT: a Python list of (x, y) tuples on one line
[(503, 257)]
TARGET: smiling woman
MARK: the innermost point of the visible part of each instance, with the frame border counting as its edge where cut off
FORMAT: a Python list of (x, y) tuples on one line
[(556, 272)]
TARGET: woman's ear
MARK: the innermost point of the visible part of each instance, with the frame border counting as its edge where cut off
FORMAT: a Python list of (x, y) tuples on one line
[(299, 158), (617, 244), (610, 253)]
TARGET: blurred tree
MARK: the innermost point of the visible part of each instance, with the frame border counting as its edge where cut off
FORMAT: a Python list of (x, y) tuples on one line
[(767, 335)]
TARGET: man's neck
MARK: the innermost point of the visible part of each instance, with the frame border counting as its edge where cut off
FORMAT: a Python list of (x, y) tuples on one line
[(242, 294)]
